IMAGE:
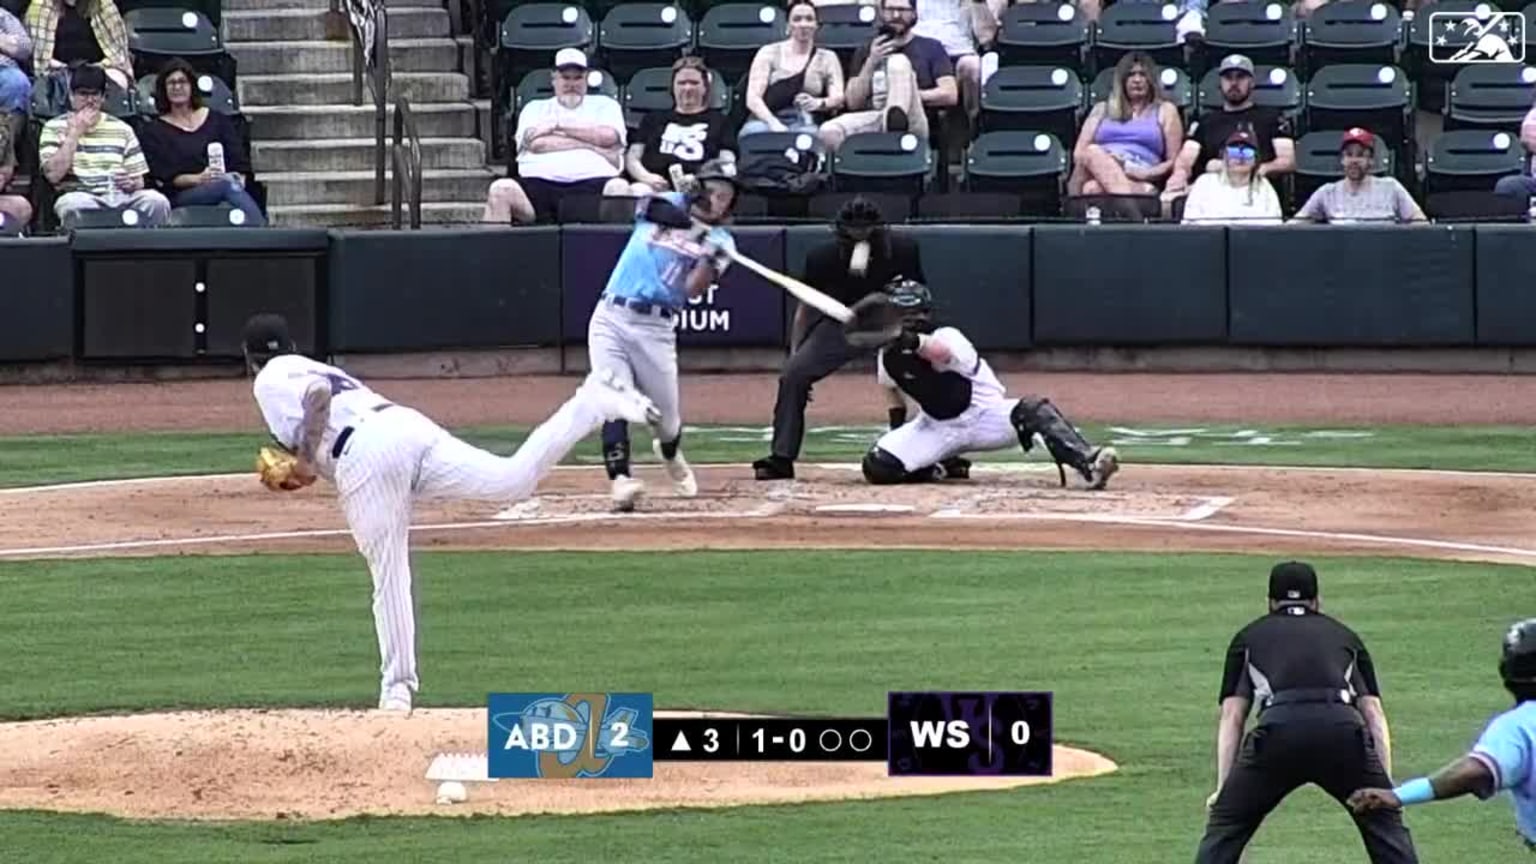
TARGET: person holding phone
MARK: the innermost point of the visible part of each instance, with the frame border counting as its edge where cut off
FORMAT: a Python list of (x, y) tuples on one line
[(900, 77)]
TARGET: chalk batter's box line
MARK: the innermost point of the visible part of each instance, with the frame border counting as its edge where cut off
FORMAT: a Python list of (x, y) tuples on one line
[(1207, 508)]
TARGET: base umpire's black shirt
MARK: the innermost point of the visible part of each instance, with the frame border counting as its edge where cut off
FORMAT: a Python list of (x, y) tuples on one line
[(1294, 648), (826, 269)]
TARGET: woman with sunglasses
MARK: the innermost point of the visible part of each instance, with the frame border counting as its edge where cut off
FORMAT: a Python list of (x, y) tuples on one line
[(1236, 194)]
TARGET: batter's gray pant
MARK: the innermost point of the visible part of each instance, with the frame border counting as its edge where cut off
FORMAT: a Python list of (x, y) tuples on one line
[(642, 347)]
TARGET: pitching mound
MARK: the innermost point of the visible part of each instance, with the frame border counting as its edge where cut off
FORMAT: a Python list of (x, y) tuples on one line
[(295, 764)]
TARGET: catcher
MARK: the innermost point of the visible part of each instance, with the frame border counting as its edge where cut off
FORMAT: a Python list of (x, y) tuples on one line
[(963, 408)]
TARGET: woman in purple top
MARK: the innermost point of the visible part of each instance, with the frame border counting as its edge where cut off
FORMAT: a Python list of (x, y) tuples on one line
[(176, 147), (1129, 141)]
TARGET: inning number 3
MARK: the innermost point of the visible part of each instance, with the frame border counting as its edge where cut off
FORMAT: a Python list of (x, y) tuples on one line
[(620, 734)]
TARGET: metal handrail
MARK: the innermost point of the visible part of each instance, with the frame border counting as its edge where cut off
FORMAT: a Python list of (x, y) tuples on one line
[(406, 153), (379, 80)]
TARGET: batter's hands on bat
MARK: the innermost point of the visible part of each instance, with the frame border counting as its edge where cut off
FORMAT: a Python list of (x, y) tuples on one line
[(1365, 800)]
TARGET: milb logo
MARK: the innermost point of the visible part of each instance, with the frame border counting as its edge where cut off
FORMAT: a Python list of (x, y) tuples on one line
[(567, 736)]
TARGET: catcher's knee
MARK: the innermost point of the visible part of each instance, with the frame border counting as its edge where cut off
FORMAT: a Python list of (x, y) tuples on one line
[(881, 468), (1024, 418)]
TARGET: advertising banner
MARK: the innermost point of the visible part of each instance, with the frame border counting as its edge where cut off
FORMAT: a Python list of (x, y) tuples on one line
[(742, 310)]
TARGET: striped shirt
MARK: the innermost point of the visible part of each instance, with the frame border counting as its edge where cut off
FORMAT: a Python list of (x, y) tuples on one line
[(106, 151)]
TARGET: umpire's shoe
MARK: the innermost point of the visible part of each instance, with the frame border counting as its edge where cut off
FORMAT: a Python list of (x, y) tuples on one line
[(1104, 465), (774, 468)]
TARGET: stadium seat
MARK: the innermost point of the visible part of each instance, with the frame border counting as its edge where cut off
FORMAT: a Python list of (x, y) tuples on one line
[(1351, 31), (845, 28), (161, 33), (528, 38), (651, 90), (537, 85), (635, 36), (895, 162), (1317, 161), (1380, 98), (1044, 34), (1175, 85), (1490, 96), (209, 216), (1264, 31), (211, 9), (969, 207), (1037, 98), (1273, 87), (1431, 78), (1031, 165), (895, 207), (118, 102), (1146, 27), (1471, 159), (731, 33)]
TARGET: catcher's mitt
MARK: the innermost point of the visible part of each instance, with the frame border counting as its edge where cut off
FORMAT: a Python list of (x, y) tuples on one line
[(278, 470), (875, 322)]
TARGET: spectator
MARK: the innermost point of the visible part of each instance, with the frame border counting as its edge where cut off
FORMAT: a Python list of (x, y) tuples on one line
[(68, 33), (1270, 130), (900, 76), (1127, 144), (1235, 193), (14, 208), (176, 146), (15, 59), (1360, 196), (793, 82), (572, 142), (94, 159), (688, 135), (961, 26), (1522, 185)]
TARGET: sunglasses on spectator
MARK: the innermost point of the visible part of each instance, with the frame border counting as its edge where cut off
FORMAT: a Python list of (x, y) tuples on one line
[(1242, 152)]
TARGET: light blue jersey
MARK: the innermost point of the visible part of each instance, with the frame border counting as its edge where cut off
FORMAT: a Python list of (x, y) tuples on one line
[(654, 266), (1508, 748)]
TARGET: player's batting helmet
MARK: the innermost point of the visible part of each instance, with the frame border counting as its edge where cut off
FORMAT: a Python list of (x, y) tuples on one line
[(1517, 662)]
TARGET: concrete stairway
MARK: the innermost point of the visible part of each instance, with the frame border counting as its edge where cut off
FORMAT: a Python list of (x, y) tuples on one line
[(314, 149)]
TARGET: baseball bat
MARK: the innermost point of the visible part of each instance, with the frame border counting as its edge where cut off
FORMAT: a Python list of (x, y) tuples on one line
[(828, 306)]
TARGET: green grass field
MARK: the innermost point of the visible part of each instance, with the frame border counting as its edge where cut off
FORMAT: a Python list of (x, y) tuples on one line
[(1131, 645)]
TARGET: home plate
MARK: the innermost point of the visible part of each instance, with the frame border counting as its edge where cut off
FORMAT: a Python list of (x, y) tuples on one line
[(865, 508)]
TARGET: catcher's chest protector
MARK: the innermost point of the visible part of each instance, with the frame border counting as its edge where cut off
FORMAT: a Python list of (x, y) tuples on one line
[(941, 395)]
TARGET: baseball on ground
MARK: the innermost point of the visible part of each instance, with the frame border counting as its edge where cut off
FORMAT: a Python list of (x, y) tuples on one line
[(451, 792)]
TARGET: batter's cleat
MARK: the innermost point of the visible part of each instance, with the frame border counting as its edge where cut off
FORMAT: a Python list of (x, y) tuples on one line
[(774, 468), (626, 491), (1104, 465), (683, 481), (620, 400)]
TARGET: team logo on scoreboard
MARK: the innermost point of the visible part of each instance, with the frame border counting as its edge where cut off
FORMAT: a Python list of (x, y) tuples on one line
[(569, 736)]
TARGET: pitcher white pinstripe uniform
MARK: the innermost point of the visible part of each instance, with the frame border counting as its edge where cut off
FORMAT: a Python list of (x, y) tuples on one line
[(382, 457)]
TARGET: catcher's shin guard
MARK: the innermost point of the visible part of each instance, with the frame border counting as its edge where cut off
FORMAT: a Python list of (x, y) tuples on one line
[(1067, 446)]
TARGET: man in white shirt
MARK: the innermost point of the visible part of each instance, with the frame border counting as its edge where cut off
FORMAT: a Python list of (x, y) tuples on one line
[(382, 457), (572, 143)]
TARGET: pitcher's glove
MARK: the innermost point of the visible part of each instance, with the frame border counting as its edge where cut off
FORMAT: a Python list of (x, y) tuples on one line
[(875, 322), (281, 471)]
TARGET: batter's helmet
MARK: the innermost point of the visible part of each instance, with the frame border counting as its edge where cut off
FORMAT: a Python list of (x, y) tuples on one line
[(715, 169), (1517, 662)]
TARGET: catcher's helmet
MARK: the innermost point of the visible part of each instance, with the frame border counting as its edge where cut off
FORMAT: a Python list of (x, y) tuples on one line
[(1517, 662), (910, 296), (266, 335)]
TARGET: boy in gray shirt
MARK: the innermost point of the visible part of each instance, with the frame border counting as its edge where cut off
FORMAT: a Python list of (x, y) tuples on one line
[(1360, 196)]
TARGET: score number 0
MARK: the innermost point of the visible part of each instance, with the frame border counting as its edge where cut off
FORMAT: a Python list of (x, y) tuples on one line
[(796, 740)]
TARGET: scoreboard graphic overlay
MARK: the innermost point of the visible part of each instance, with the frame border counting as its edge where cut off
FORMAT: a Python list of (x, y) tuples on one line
[(618, 735)]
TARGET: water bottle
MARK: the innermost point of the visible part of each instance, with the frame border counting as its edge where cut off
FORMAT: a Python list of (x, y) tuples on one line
[(216, 157), (877, 86), (1093, 215), (114, 198)]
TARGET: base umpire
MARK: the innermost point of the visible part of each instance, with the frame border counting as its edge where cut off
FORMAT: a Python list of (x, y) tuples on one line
[(863, 258), (1320, 721)]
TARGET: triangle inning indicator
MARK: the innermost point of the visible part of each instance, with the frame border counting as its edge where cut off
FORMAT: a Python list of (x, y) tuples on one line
[(681, 744)]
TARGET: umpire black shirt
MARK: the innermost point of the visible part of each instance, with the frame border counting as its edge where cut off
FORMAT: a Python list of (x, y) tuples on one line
[(826, 269), (1295, 648)]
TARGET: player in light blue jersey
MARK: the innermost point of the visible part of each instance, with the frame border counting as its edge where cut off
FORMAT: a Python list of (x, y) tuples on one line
[(678, 250), (1504, 757)]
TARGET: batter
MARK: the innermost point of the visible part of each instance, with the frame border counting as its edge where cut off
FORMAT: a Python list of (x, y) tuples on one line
[(963, 407), (677, 250), (382, 457)]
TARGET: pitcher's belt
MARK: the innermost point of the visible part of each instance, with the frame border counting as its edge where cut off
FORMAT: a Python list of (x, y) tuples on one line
[(341, 438), (644, 307)]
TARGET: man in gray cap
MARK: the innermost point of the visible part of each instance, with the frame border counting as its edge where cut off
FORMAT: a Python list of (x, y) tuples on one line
[(1203, 143)]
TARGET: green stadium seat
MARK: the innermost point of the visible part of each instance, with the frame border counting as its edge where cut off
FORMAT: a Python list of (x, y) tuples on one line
[(896, 162), (651, 90), (1145, 27), (1351, 32), (533, 32), (635, 36), (1265, 31), (207, 216), (731, 34), (213, 10), (1471, 159), (1036, 98), (845, 28), (1044, 34), (1377, 97), (1031, 165), (1490, 96), (1432, 78)]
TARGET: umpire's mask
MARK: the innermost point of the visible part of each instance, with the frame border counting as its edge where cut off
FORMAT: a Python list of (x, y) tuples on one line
[(861, 233)]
